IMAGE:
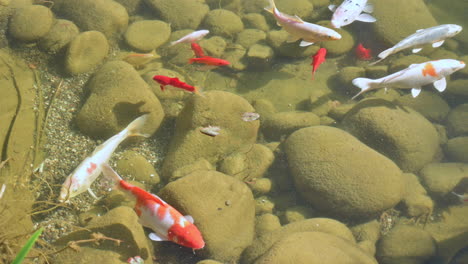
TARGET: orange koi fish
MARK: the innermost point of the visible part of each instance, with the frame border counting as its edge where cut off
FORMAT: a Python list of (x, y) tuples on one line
[(207, 60), (197, 50), (165, 221), (318, 59), (175, 82), (363, 53)]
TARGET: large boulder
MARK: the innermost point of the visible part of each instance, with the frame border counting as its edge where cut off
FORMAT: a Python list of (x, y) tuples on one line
[(456, 121), (117, 96), (338, 174), (62, 32), (213, 108), (181, 14), (399, 133), (440, 178), (223, 208), (85, 52), (24, 28)]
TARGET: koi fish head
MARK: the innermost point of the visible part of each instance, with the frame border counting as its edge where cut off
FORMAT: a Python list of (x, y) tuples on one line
[(333, 35), (69, 189), (187, 235), (340, 19), (448, 66), (454, 30)]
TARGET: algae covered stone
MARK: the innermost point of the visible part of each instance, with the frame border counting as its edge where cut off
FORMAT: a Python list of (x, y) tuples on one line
[(282, 124), (338, 174), (399, 133), (134, 166), (250, 36), (86, 51), (223, 23), (62, 32), (457, 149), (428, 103), (456, 120), (181, 14), (117, 96), (440, 178), (31, 23), (147, 35), (106, 16), (223, 209), (338, 47)]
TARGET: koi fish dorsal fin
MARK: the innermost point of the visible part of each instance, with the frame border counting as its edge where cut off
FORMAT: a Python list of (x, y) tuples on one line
[(189, 218), (294, 18), (429, 70)]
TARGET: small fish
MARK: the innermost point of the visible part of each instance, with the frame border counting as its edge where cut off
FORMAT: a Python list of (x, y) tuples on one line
[(211, 131), (413, 77), (175, 82), (363, 53), (192, 37), (250, 116), (433, 35), (350, 11), (299, 29), (135, 260), (197, 49), (137, 60), (318, 59), (462, 197), (86, 173), (165, 221), (207, 60)]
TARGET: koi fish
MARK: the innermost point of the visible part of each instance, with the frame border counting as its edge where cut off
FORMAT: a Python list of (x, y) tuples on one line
[(461, 197), (318, 59), (350, 11), (139, 59), (211, 131), (165, 221), (192, 37), (299, 29), (197, 50), (433, 35), (175, 82), (87, 172), (207, 60), (413, 77), (363, 53)]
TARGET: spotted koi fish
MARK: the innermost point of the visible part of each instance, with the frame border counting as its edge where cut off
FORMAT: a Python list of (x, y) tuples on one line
[(87, 172), (165, 221), (413, 77)]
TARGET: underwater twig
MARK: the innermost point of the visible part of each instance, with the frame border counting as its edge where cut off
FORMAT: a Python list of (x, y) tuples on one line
[(96, 238), (27, 247), (2, 164)]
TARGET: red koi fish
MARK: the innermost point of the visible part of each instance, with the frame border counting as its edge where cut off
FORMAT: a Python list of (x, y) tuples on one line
[(166, 222), (197, 50), (363, 53), (207, 60), (317, 59), (165, 80)]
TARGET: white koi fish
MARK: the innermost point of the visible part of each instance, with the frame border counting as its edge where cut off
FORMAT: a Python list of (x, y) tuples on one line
[(413, 77), (350, 11), (87, 172), (166, 222), (433, 35), (192, 37), (298, 29)]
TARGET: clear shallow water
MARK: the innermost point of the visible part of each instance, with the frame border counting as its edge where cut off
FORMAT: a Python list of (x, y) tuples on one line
[(276, 79)]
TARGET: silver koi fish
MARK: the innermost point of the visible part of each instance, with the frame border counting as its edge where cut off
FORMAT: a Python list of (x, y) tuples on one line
[(87, 172), (298, 29), (433, 35), (350, 11)]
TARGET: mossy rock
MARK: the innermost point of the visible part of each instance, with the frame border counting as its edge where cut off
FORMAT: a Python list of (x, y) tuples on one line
[(456, 121), (250, 36), (400, 133), (235, 55), (349, 73), (405, 61), (440, 178), (300, 8), (266, 223), (397, 19), (457, 149), (24, 28), (338, 47), (458, 87), (105, 16), (88, 255), (255, 21), (231, 5), (377, 71), (223, 23), (147, 35), (282, 124), (318, 164), (314, 248), (219, 215), (132, 6), (110, 107), (214, 46), (85, 52), (62, 32), (277, 40), (296, 213), (136, 167), (259, 56), (428, 103), (180, 14)]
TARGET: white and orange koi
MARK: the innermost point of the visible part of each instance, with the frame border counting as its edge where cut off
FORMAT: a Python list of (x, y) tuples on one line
[(87, 172), (413, 77), (461, 197), (350, 11), (299, 29), (192, 37), (165, 221)]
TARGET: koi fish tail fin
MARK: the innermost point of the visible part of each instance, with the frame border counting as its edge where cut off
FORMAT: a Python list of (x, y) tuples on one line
[(134, 128), (199, 91), (364, 84), (384, 54), (111, 175), (191, 61), (271, 8)]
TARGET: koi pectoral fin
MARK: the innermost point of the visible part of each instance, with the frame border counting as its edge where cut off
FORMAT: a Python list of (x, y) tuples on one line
[(155, 237), (305, 43), (366, 18), (415, 91), (437, 44), (440, 85)]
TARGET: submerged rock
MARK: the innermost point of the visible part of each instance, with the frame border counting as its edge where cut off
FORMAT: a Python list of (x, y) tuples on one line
[(457, 149), (147, 35), (399, 133), (456, 121), (110, 106), (441, 178), (223, 23), (31, 23), (85, 52), (338, 174), (428, 103), (181, 14), (223, 209), (62, 32), (134, 166), (282, 124)]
